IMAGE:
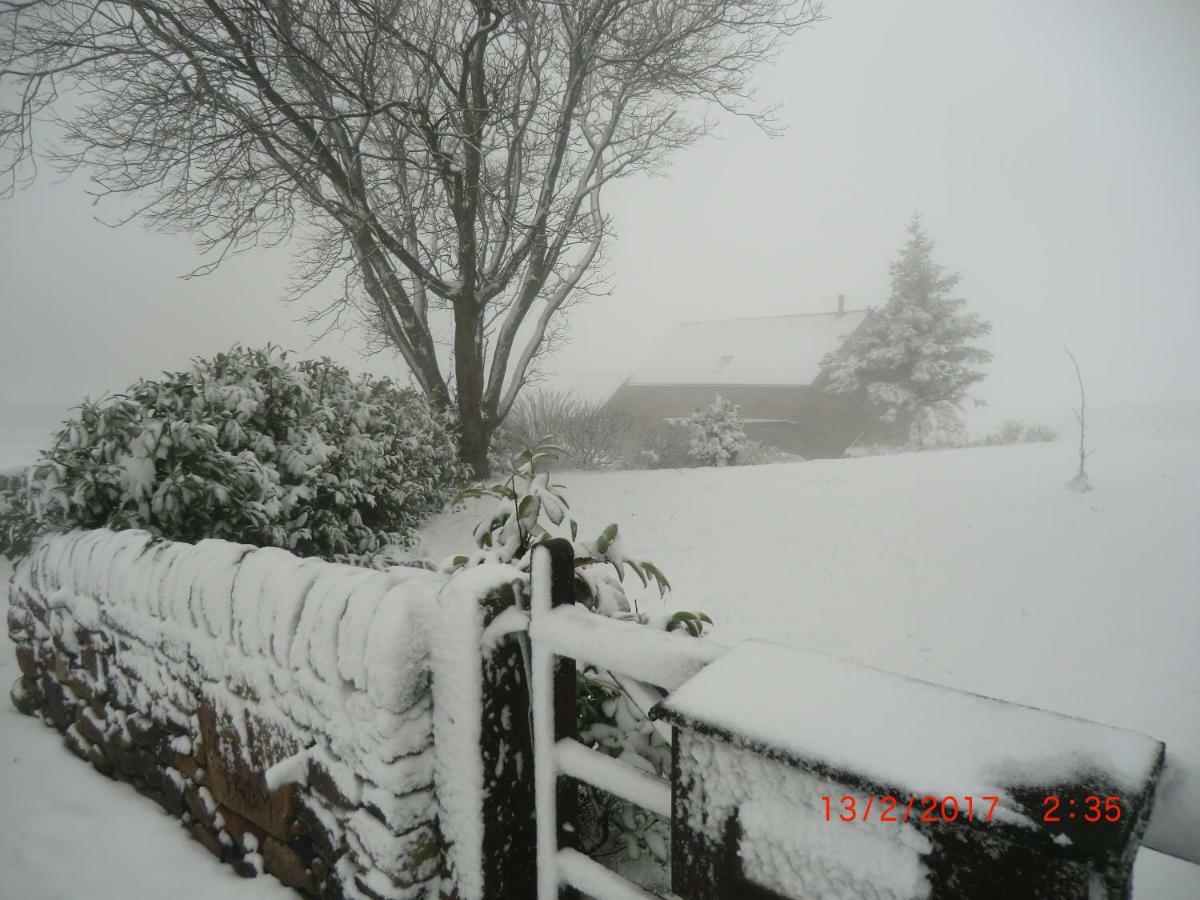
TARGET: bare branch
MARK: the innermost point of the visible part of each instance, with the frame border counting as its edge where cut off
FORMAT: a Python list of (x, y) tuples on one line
[(446, 158)]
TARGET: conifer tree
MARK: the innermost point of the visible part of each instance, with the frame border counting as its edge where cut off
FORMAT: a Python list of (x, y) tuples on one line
[(915, 358)]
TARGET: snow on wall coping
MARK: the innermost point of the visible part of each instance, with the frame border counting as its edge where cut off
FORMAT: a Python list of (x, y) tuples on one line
[(773, 350), (457, 662), (345, 627), (899, 732)]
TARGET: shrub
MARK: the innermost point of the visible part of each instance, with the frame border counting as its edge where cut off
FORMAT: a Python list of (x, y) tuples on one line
[(592, 435), (589, 434), (717, 436), (1040, 434), (756, 453), (249, 447), (18, 525), (1015, 431), (859, 451), (529, 510), (661, 444), (13, 477)]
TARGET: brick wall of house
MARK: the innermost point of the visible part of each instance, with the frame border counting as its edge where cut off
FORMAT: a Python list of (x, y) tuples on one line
[(803, 420)]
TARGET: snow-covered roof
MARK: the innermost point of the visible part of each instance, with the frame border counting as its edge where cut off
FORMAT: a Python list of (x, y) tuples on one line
[(595, 386), (774, 350)]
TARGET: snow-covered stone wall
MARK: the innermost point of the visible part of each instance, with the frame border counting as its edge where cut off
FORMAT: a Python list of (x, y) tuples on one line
[(281, 707), (780, 755)]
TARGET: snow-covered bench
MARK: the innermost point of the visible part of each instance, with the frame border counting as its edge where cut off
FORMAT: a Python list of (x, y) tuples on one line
[(799, 775)]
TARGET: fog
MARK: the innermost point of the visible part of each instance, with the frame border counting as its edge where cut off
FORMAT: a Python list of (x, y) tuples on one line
[(1052, 149)]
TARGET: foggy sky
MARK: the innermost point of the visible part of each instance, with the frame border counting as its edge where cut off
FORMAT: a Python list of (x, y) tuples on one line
[(1053, 148)]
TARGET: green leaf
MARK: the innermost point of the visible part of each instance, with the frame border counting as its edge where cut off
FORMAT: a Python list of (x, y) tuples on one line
[(607, 536), (692, 623), (529, 509), (659, 578)]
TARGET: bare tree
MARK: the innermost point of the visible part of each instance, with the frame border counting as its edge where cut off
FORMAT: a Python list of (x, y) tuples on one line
[(444, 157), (1080, 482)]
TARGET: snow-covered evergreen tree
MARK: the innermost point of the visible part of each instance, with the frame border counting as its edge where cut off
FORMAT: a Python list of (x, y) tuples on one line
[(717, 435), (914, 358)]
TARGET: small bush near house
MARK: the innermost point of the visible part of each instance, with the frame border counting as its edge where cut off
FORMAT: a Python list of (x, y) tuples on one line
[(589, 434), (592, 435), (661, 444), (859, 451), (249, 447), (1015, 431), (717, 436), (756, 453)]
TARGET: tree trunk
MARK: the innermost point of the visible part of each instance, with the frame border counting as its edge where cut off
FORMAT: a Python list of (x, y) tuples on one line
[(468, 371), (473, 443)]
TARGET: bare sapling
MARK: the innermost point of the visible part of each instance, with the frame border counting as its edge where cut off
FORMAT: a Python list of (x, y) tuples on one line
[(1080, 482)]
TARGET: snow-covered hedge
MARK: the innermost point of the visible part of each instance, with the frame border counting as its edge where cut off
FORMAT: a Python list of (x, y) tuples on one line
[(249, 447), (280, 704)]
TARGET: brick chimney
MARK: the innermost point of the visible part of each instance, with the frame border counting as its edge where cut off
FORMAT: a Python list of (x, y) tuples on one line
[(841, 304)]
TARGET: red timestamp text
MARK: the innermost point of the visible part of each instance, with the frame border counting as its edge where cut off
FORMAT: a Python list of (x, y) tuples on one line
[(1092, 808), (948, 808)]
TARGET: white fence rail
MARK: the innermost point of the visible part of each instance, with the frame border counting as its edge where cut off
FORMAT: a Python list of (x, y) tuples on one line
[(644, 662), (636, 656)]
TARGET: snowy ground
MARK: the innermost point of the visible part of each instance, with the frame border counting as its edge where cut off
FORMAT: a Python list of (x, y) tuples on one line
[(972, 568), (69, 833)]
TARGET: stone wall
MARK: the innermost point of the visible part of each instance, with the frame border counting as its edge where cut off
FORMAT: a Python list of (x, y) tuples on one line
[(280, 707)]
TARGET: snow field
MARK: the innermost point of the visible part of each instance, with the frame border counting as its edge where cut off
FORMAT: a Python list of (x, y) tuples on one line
[(980, 573), (975, 569)]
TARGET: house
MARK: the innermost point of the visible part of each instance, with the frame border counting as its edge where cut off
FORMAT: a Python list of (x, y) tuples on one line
[(769, 367)]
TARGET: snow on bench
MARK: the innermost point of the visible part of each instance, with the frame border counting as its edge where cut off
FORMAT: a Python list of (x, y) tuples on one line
[(810, 776)]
